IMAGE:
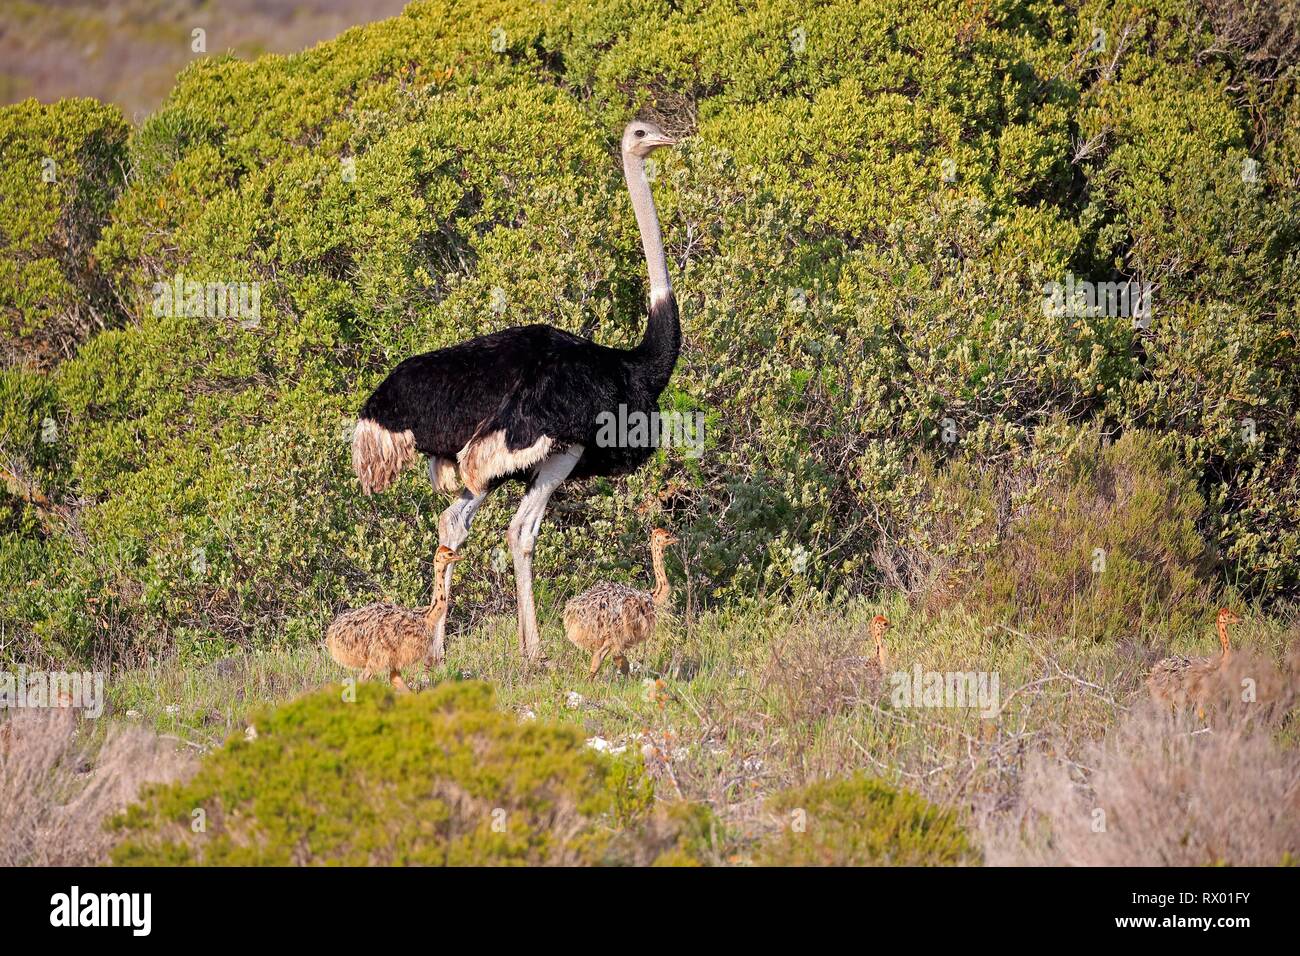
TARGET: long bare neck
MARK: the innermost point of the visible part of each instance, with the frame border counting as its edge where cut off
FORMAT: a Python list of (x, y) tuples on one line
[(663, 590), (657, 353), (1223, 638), (878, 635), (647, 221), (439, 606)]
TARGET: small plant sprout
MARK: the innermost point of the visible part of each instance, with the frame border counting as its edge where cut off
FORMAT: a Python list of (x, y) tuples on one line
[(198, 40)]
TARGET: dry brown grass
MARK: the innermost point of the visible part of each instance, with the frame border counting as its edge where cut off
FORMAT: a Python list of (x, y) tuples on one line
[(57, 786), (130, 52), (817, 669), (1160, 790), (1266, 32)]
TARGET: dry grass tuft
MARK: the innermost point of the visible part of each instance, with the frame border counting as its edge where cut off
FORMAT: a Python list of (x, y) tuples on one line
[(817, 669), (1158, 791), (57, 787)]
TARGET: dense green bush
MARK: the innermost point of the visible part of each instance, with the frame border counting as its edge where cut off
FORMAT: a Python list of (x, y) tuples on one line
[(1111, 549), (439, 778), (860, 228), (61, 166), (860, 821)]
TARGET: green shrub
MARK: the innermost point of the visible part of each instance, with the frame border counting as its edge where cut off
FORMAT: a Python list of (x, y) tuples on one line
[(61, 166), (1112, 548), (860, 821), (439, 778), (860, 228)]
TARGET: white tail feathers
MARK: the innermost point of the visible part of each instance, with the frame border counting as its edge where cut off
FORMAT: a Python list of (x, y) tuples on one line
[(380, 455)]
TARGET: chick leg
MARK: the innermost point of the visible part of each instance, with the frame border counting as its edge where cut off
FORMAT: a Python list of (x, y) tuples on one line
[(597, 659)]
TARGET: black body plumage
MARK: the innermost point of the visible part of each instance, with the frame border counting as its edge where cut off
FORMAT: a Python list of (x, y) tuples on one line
[(530, 382)]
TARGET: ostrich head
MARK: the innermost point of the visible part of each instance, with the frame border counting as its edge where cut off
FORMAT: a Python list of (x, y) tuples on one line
[(659, 538), (641, 138), (445, 556)]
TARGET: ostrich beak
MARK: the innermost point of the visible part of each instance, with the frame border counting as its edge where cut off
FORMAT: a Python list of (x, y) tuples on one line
[(655, 141)]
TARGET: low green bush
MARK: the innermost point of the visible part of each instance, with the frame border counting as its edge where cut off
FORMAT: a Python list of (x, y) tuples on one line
[(438, 778), (1112, 548), (861, 821)]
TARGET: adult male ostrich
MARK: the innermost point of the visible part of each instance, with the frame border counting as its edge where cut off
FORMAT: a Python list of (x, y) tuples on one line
[(523, 403)]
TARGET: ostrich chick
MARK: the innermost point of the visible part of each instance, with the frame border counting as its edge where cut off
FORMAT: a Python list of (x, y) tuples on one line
[(879, 625), (1177, 679), (384, 637), (613, 617)]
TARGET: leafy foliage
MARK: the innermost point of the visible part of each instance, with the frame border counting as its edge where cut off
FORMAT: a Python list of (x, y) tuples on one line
[(860, 228), (860, 821), (61, 166), (1113, 546), (439, 778)]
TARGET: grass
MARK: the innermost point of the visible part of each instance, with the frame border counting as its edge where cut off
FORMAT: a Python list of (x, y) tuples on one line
[(731, 709)]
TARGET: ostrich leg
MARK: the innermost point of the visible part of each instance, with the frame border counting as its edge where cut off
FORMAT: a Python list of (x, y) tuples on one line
[(453, 529), (523, 534)]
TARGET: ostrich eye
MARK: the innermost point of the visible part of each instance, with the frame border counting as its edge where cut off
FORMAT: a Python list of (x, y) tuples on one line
[(640, 132)]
